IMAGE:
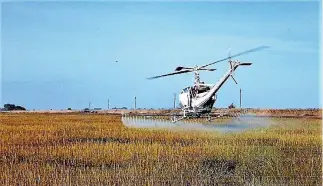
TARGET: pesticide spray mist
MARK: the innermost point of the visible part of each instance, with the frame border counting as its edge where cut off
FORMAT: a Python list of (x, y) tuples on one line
[(237, 124)]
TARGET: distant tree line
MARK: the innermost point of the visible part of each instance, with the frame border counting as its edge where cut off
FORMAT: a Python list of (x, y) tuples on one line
[(119, 108), (231, 106), (9, 107)]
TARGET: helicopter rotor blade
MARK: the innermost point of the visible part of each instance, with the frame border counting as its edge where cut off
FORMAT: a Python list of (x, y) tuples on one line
[(208, 69), (239, 54), (245, 64), (181, 68), (170, 74)]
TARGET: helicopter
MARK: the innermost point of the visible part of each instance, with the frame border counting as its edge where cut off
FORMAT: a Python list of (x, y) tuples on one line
[(198, 100)]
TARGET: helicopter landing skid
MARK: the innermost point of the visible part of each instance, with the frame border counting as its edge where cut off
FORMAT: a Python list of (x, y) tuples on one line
[(174, 119), (208, 117), (211, 118)]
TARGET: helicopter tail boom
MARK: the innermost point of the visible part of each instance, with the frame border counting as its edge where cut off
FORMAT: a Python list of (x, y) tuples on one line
[(233, 66)]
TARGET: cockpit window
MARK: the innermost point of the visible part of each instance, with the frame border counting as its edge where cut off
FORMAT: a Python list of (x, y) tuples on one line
[(185, 90), (203, 89)]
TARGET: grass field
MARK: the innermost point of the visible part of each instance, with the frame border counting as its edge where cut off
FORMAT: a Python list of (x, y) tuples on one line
[(96, 149)]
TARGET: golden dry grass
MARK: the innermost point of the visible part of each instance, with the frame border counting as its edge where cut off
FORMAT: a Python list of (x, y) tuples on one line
[(94, 149)]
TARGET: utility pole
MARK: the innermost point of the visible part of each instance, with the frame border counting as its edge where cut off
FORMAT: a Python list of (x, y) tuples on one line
[(108, 104), (174, 100), (240, 97), (135, 102), (89, 104)]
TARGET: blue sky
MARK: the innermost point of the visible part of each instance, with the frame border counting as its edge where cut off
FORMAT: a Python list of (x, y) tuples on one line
[(58, 55)]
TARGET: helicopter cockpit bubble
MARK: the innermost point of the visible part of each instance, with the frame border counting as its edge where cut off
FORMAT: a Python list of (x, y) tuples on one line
[(185, 90)]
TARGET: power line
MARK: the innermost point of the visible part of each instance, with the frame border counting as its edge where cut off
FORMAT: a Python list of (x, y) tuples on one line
[(135, 102), (174, 100)]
